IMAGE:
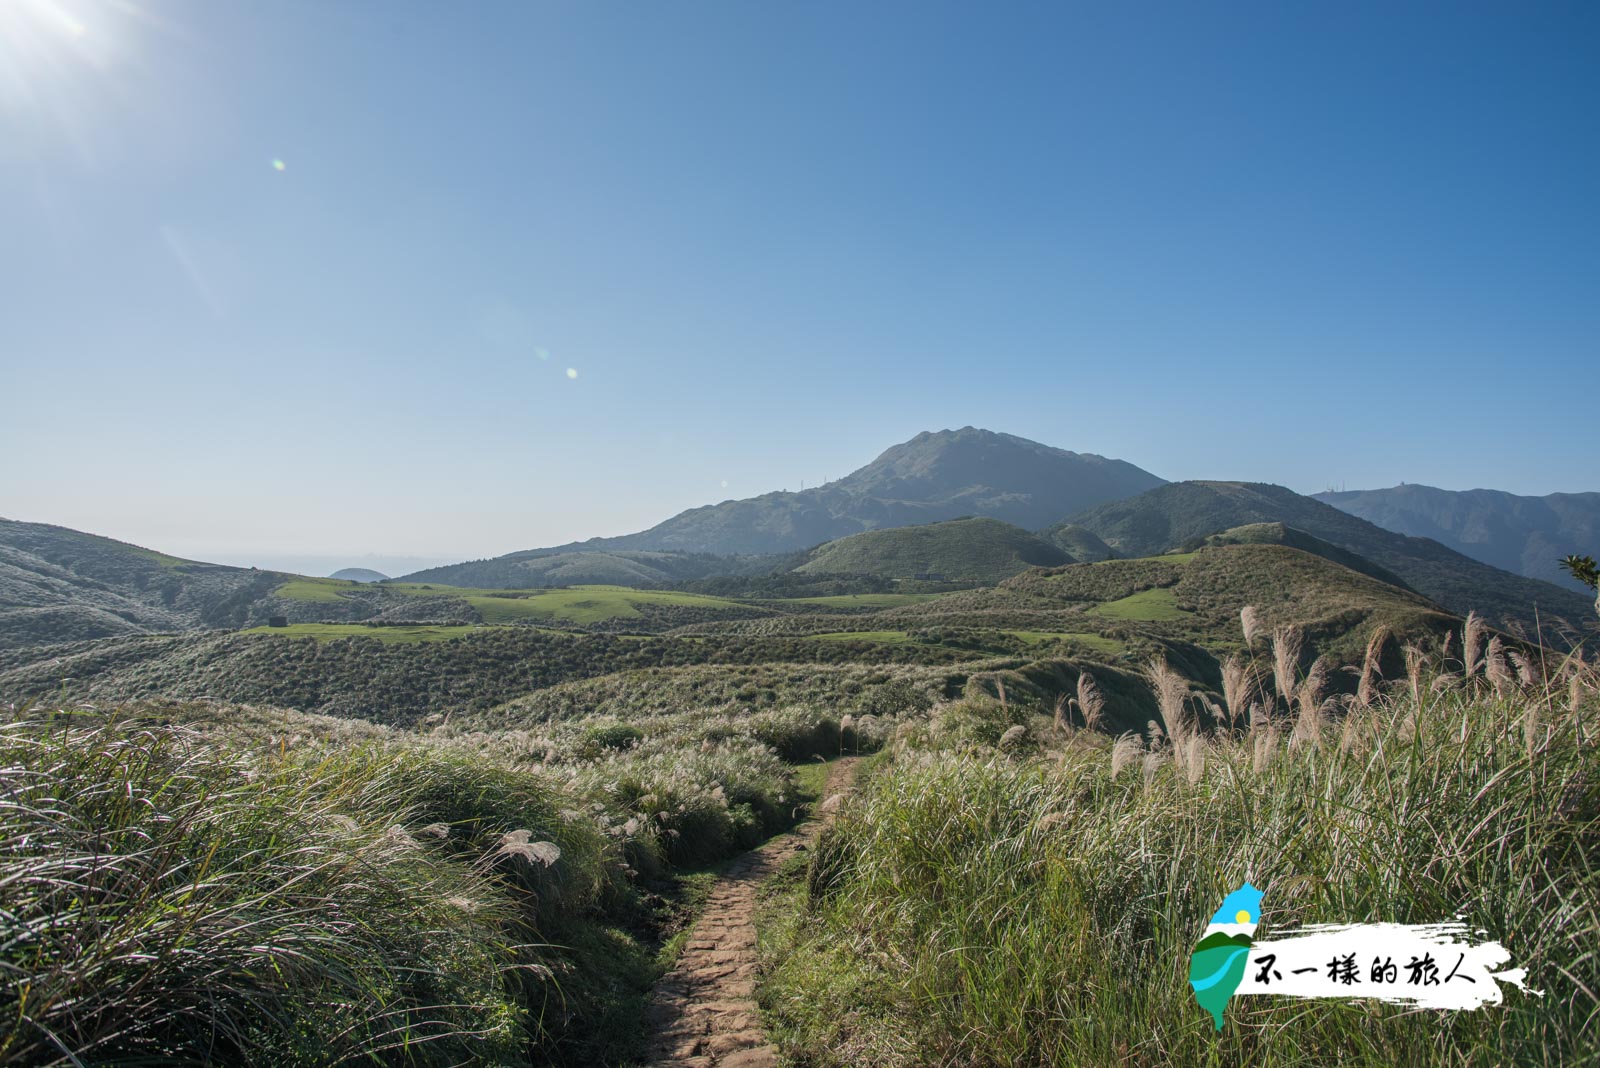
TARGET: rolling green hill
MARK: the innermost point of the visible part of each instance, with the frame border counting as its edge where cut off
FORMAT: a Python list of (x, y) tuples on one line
[(1192, 597), (960, 550), (1186, 513), (1083, 545), (58, 584), (585, 568)]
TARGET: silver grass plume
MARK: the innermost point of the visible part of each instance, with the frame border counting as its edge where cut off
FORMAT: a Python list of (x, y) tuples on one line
[(1287, 643), (1239, 685), (1496, 667), (1171, 692), (1090, 701), (1250, 622), (1472, 645), (1367, 689)]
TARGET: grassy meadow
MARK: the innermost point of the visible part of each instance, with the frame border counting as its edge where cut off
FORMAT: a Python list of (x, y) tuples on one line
[(1012, 889), (188, 883), (435, 825)]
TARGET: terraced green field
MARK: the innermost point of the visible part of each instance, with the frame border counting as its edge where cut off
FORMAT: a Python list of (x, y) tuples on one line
[(316, 590), (1147, 606), (1094, 641), (867, 600), (576, 604), (327, 632), (893, 637)]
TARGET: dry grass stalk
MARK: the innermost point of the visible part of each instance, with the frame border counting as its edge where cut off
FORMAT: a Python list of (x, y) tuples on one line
[(1266, 744), (1472, 645), (1172, 692), (1528, 673), (1496, 667), (1367, 689), (1125, 752), (1091, 702), (1250, 622), (1061, 713), (1414, 662), (1239, 684), (1260, 718), (1308, 725), (1194, 758), (1315, 687), (1287, 643)]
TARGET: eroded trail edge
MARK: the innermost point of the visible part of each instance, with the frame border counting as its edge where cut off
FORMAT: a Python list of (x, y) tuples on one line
[(703, 1012)]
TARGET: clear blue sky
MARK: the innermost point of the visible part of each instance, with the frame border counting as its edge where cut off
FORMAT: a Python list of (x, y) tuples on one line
[(1349, 245)]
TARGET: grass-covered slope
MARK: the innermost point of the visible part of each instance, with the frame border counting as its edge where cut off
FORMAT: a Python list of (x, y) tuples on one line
[(1008, 893), (1185, 513), (58, 584), (1194, 597), (1080, 543), (580, 568), (960, 550), (390, 681), (223, 884)]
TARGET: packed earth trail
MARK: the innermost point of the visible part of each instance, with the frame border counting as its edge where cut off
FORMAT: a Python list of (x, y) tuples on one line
[(703, 1013)]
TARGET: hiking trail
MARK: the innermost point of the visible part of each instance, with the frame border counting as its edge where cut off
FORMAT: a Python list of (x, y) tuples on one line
[(703, 1013)]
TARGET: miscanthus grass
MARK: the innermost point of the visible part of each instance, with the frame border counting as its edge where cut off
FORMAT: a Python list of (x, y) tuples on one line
[(986, 906), (170, 898)]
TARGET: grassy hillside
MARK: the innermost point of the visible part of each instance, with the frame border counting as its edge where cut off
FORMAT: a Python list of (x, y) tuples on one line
[(268, 887), (961, 550), (1009, 892), (390, 681), (579, 568), (1195, 597), (1080, 543), (1280, 534), (1185, 513), (58, 584)]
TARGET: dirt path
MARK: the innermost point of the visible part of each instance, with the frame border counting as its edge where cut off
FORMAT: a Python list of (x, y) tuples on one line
[(703, 1012)]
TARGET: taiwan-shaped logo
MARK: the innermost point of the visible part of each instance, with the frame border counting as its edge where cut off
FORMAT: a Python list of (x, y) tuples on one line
[(1217, 966), (1431, 965)]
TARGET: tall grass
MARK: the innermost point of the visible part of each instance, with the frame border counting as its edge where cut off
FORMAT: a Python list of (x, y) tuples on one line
[(225, 886), (974, 907)]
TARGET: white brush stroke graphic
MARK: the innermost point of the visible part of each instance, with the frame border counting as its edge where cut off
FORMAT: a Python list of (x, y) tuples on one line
[(1433, 965)]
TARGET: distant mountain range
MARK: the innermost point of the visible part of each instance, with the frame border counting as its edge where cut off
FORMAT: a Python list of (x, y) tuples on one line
[(1525, 535), (953, 508), (1184, 514), (933, 477)]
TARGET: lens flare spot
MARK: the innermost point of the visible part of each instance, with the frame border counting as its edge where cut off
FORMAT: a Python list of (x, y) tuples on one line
[(572, 372), (543, 354), (724, 483), (279, 165)]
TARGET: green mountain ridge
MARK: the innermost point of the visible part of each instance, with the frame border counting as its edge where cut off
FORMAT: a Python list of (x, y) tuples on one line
[(1181, 513), (957, 550)]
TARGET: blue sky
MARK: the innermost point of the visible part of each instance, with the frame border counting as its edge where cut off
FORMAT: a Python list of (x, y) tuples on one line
[(1354, 245)]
